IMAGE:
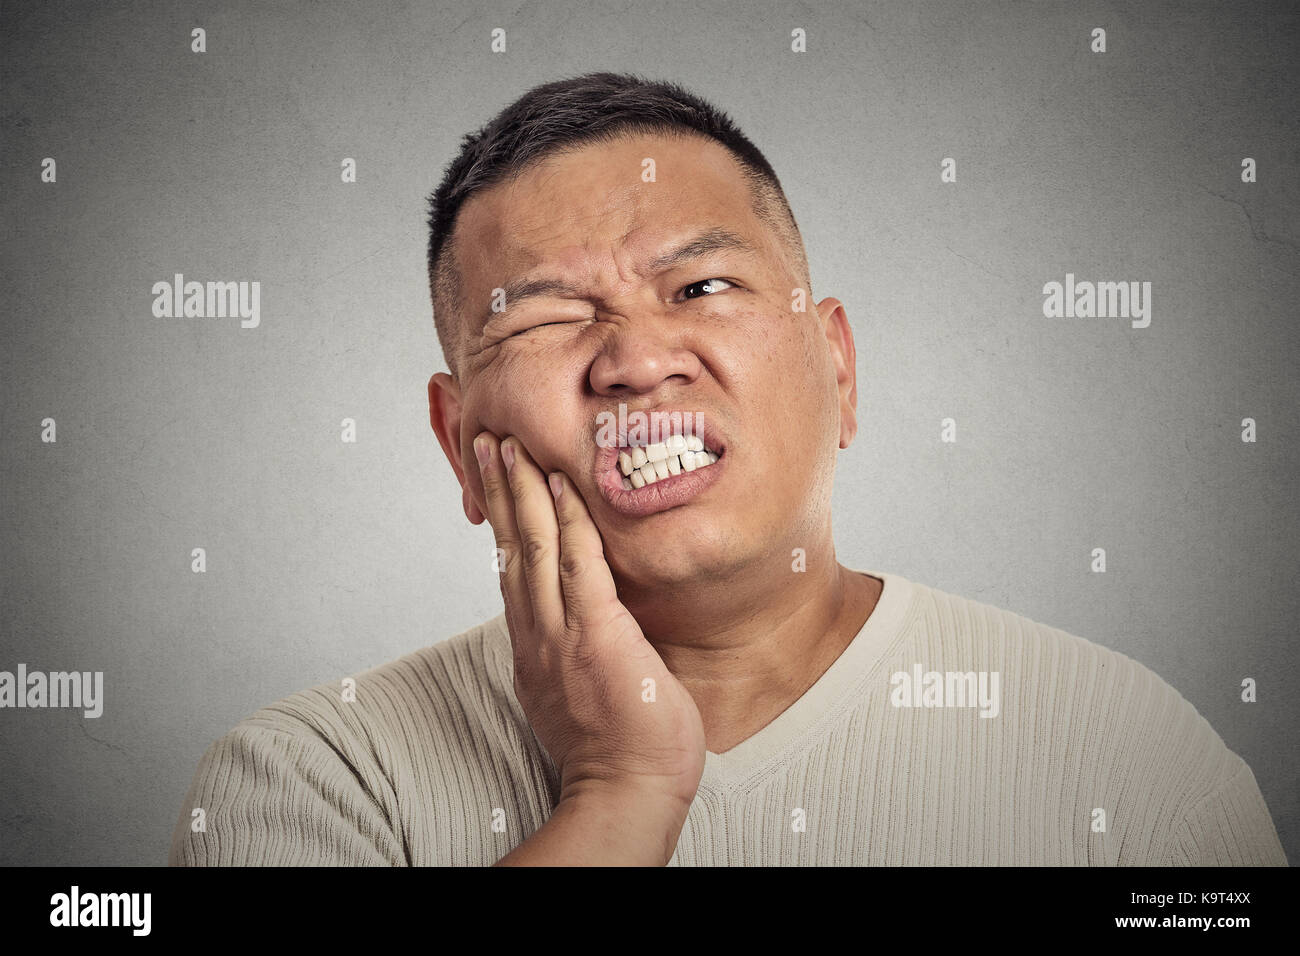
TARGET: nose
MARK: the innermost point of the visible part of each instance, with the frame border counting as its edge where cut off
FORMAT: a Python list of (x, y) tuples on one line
[(640, 354)]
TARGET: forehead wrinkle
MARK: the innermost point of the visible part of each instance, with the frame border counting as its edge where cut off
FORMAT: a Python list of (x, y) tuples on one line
[(715, 239), (521, 289), (626, 201)]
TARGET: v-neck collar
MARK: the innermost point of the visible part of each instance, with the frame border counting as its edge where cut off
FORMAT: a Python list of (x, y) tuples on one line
[(823, 701)]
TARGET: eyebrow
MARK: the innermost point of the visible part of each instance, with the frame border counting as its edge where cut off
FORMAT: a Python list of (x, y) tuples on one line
[(714, 240)]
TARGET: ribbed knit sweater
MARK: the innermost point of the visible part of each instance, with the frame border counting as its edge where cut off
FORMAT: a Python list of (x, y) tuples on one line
[(1091, 760)]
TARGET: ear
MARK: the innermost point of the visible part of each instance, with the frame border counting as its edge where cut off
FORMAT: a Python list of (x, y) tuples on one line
[(444, 417), (844, 357)]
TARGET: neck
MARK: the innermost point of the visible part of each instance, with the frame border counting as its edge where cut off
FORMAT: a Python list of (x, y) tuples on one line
[(748, 644)]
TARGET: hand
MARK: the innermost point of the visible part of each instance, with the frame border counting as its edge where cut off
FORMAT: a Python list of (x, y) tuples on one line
[(581, 661)]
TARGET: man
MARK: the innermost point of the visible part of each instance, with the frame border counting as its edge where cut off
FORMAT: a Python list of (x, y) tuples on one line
[(683, 672)]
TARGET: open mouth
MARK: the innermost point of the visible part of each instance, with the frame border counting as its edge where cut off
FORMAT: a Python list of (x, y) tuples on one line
[(641, 466), (639, 478)]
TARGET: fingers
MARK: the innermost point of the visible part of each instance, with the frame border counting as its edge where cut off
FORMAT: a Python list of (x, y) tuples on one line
[(586, 582), (539, 535), (555, 576), (501, 514)]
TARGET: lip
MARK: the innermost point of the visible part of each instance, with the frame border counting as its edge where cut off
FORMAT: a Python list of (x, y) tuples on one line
[(666, 493)]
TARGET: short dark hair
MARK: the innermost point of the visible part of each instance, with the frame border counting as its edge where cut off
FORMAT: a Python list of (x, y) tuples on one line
[(565, 114)]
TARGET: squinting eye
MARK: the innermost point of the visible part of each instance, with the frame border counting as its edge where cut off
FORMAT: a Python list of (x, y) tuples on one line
[(543, 325), (709, 285), (539, 325)]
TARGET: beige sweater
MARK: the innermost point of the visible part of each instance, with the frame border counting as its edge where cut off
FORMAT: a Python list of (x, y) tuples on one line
[(1090, 760)]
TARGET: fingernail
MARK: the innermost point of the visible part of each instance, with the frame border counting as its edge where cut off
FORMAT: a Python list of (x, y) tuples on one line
[(508, 455), (483, 450), (557, 485)]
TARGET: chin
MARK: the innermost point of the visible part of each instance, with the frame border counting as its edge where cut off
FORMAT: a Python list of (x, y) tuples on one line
[(696, 557)]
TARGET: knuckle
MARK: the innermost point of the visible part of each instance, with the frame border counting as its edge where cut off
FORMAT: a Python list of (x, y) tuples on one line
[(572, 564), (585, 660), (497, 486), (509, 549), (585, 654), (491, 484), (536, 553)]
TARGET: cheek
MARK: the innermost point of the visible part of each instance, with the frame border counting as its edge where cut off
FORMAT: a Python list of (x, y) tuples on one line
[(532, 404), (781, 348), (788, 375), (775, 332), (755, 341)]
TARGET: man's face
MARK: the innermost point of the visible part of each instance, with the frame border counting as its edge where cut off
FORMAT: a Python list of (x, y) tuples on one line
[(774, 384)]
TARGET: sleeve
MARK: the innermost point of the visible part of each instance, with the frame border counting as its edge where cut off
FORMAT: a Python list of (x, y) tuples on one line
[(278, 797), (1230, 827)]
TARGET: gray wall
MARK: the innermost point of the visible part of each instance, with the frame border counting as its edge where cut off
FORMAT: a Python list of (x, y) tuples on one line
[(326, 558)]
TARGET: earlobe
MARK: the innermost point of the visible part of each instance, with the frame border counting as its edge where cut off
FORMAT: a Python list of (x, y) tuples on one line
[(839, 339), (471, 510), (444, 418)]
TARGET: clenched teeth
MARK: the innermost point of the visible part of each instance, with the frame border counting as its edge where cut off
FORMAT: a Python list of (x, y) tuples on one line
[(674, 447), (663, 460)]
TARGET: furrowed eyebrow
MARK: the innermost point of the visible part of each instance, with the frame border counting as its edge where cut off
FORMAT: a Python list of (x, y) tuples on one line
[(517, 290), (715, 240)]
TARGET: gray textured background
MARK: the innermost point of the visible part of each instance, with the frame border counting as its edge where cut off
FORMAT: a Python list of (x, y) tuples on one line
[(326, 558)]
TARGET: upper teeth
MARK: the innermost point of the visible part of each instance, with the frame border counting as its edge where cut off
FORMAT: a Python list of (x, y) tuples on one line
[(645, 466)]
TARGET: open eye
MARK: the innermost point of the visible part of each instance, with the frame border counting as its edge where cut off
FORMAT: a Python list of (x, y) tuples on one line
[(709, 287)]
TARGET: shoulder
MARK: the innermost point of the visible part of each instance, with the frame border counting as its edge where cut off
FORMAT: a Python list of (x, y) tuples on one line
[(432, 700), (1118, 727), (464, 676), (349, 754), (1088, 686), (1045, 665)]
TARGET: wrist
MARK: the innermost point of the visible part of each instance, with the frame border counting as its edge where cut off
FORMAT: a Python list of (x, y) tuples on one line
[(637, 822)]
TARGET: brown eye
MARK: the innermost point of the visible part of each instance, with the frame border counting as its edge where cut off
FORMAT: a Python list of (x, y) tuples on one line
[(707, 287)]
